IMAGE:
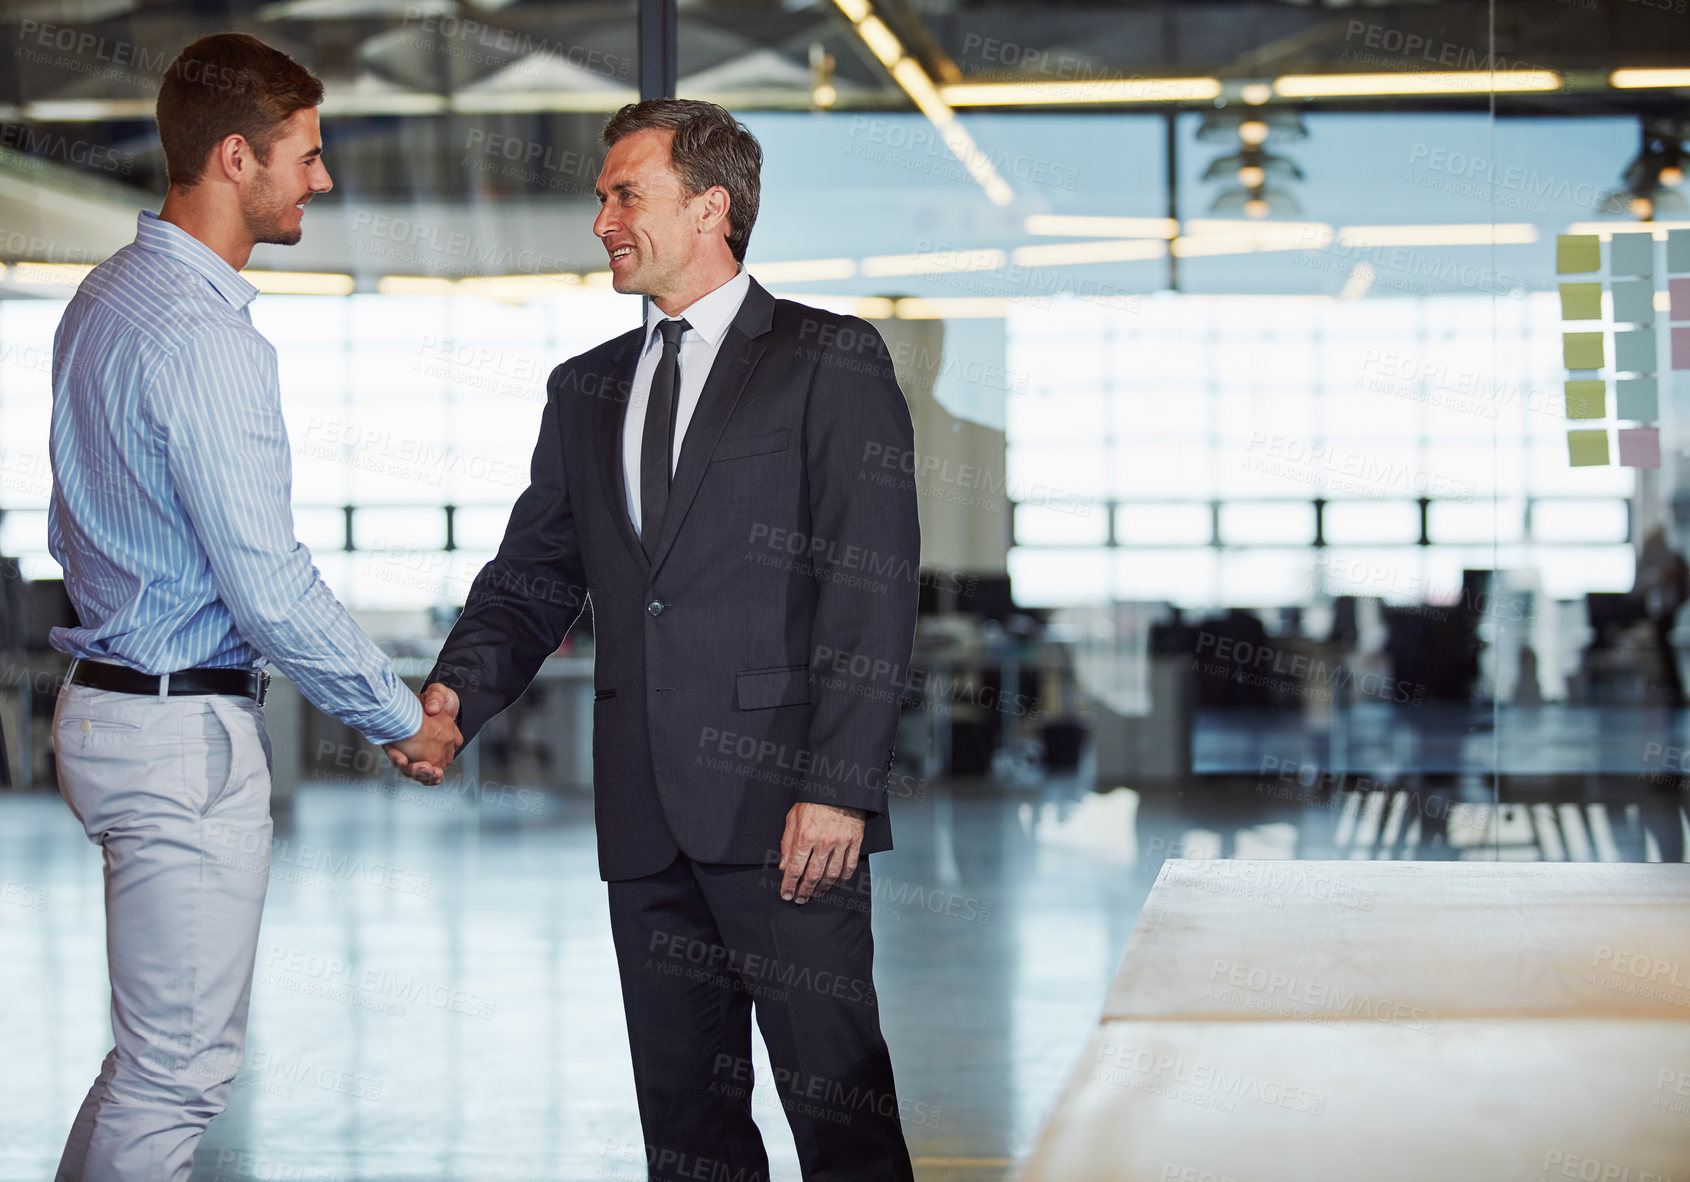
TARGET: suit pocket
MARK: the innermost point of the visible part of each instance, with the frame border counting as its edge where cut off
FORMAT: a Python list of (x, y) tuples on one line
[(759, 689), (751, 445), (603, 695)]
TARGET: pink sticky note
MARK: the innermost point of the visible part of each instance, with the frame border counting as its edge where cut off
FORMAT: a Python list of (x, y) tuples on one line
[(1640, 447), (1678, 290), (1681, 348)]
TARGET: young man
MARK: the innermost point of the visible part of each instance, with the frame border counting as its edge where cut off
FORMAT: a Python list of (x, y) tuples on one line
[(716, 482), (171, 517)]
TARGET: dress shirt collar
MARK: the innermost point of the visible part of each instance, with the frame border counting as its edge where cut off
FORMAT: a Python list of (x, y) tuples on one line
[(172, 241), (710, 314)]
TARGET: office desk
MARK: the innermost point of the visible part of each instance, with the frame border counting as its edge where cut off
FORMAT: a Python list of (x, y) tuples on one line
[(1331, 1021)]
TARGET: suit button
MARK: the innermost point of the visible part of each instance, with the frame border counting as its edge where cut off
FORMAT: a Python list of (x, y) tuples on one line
[(655, 608)]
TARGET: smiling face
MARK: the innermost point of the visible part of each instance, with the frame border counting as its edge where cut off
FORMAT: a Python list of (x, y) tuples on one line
[(655, 233), (273, 199)]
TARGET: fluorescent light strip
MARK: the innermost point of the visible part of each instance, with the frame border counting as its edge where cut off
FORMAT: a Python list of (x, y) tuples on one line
[(300, 282), (1203, 245), (803, 270), (518, 289), (1460, 82), (963, 308), (1226, 227), (1110, 250), (950, 262), (1643, 79), (1100, 227), (1507, 234), (909, 75), (1100, 90), (415, 285)]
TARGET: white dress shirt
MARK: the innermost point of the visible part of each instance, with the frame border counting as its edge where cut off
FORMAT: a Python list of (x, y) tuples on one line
[(709, 317)]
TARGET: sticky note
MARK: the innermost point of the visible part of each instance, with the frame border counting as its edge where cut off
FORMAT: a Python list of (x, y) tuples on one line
[(1634, 301), (1587, 449), (1678, 250), (1678, 292), (1587, 399), (1581, 301), (1681, 348), (1582, 350), (1640, 447), (1576, 253), (1632, 253), (1637, 399), (1634, 351)]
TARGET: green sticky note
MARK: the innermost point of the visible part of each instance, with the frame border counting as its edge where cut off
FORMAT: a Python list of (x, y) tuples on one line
[(1587, 449), (1637, 399), (1587, 400), (1581, 301), (1582, 350), (1577, 253)]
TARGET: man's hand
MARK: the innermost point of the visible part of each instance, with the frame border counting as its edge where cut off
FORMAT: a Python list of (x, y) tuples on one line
[(818, 848), (426, 755)]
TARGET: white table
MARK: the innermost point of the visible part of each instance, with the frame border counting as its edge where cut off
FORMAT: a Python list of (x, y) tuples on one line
[(1315, 1021)]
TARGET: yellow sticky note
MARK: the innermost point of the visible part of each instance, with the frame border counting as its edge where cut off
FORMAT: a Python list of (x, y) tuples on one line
[(1581, 301), (1582, 350), (1587, 400), (1587, 449), (1577, 253)]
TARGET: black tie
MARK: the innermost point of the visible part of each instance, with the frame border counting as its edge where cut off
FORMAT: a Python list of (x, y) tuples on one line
[(658, 442)]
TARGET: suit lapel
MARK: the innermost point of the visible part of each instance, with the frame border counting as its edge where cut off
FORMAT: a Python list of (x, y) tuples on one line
[(735, 360), (610, 406)]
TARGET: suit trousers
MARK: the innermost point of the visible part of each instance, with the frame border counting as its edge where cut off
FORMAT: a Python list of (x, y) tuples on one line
[(176, 793), (700, 947)]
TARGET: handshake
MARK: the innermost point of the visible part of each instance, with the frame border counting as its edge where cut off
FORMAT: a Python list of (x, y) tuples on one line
[(426, 755)]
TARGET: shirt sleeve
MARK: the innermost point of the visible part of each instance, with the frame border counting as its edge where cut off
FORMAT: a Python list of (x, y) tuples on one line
[(218, 399)]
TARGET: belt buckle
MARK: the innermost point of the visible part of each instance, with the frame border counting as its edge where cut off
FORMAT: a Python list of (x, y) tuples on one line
[(263, 685)]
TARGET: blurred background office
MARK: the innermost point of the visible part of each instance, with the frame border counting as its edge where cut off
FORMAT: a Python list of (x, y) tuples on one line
[(1300, 391)]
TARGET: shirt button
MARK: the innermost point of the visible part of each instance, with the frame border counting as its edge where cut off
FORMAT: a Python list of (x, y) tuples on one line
[(655, 608)]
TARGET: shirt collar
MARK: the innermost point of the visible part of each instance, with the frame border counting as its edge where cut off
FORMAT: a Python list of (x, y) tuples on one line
[(710, 314), (166, 238)]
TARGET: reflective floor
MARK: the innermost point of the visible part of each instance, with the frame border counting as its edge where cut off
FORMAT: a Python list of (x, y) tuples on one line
[(436, 994)]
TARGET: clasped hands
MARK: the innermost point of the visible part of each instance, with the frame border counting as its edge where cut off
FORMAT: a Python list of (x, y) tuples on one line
[(426, 755), (819, 849)]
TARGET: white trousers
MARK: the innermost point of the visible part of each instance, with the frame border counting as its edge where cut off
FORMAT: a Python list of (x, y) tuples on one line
[(176, 793)]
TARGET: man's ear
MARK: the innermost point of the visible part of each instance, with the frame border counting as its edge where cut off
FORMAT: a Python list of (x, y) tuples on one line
[(716, 205), (233, 158)]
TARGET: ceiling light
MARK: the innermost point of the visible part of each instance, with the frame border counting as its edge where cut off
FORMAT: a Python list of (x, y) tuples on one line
[(1461, 82), (1256, 207), (1251, 175), (803, 270), (1112, 250), (1256, 93), (1475, 234), (1641, 79), (300, 282), (1100, 90), (1100, 227), (944, 262), (880, 40), (1252, 131)]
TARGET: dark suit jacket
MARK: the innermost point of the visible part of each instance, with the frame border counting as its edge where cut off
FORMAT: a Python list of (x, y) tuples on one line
[(759, 660)]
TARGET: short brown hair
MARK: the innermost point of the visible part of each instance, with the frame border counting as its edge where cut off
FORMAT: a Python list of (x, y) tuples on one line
[(710, 148), (228, 84)]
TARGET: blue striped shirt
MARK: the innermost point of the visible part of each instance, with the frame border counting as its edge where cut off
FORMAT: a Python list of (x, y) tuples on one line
[(171, 510)]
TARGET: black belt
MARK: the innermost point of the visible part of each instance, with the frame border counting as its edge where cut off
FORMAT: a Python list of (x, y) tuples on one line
[(240, 683)]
